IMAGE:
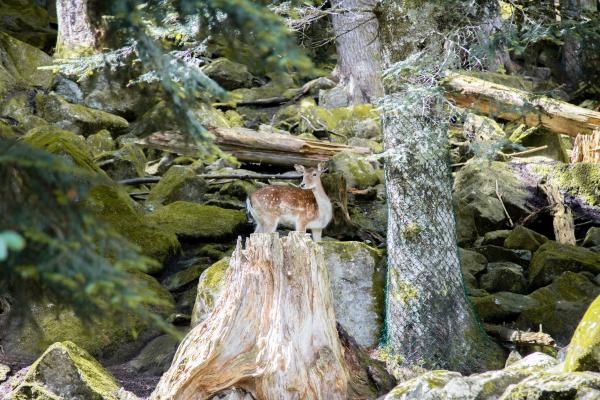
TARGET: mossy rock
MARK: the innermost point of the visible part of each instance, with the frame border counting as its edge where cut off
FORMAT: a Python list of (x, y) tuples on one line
[(64, 143), (552, 385), (499, 254), (552, 259), (592, 237), (412, 389), (358, 172), (583, 353), (179, 183), (239, 189), (109, 336), (524, 239), (28, 22), (6, 131), (113, 206), (155, 358), (361, 121), (77, 117), (230, 75), (474, 194), (495, 237), (210, 287), (280, 85), (560, 306), (190, 220), (504, 277), (66, 371), (502, 306), (182, 278), (100, 142), (18, 107), (537, 137), (579, 179), (21, 62), (127, 162)]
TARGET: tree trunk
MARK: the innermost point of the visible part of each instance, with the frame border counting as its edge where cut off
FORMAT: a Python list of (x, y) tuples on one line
[(272, 333), (359, 65), (79, 31), (429, 320)]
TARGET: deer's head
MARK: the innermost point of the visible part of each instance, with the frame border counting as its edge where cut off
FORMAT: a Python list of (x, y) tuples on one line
[(311, 177)]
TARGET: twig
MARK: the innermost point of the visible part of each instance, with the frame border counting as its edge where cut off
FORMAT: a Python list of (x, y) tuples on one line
[(526, 152), (503, 206), (520, 337)]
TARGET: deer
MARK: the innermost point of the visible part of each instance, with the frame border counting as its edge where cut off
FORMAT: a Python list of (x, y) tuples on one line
[(304, 207)]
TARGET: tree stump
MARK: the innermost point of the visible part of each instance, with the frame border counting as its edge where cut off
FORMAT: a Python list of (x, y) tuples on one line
[(272, 333)]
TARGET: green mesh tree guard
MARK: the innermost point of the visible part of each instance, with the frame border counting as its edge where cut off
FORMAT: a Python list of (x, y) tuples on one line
[(429, 320)]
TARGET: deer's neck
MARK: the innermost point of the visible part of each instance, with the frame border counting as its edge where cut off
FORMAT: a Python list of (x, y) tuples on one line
[(323, 202)]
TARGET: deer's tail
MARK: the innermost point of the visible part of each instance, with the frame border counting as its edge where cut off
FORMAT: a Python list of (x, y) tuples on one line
[(250, 211)]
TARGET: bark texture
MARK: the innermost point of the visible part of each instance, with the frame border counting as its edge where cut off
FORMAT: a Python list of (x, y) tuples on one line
[(272, 333), (78, 32), (429, 320), (359, 64)]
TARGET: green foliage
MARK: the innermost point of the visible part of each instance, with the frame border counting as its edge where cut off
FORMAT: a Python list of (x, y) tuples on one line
[(70, 257), (10, 240)]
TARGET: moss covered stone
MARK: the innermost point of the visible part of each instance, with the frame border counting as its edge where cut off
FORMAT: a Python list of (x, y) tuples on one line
[(552, 259), (65, 371), (361, 121), (502, 306), (60, 142), (358, 172), (537, 137), (580, 179), (77, 117), (210, 287), (100, 142), (504, 277), (20, 62), (592, 237), (127, 162), (113, 205), (552, 385), (495, 237), (558, 307), (524, 239), (183, 277), (18, 107), (280, 85), (583, 353), (28, 22), (230, 75), (192, 220), (179, 183)]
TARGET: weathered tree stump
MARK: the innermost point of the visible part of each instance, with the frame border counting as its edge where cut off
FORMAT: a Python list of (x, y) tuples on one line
[(272, 333)]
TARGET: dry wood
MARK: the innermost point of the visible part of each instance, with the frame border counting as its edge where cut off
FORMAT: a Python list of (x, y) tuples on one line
[(253, 146), (586, 149), (513, 104), (272, 332), (520, 337), (294, 95), (499, 195), (563, 223), (155, 179)]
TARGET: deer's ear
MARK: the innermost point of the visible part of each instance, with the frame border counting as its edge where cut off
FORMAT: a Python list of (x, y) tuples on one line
[(322, 167), (299, 168)]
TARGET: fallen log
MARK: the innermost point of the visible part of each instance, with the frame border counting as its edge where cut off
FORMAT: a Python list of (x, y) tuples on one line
[(272, 333), (254, 146), (512, 104), (519, 337), (155, 179)]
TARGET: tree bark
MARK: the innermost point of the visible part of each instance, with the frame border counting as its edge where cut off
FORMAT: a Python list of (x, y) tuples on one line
[(511, 104), (79, 31), (272, 333), (254, 146), (358, 49), (562, 221)]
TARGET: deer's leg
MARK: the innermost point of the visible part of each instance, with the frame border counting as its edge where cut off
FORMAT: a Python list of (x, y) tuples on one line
[(301, 225), (270, 226), (316, 234)]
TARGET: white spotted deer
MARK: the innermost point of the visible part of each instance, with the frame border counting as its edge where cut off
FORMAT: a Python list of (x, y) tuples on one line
[(307, 207)]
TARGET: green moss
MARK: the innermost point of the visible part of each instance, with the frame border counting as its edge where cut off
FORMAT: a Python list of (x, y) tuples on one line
[(115, 207), (358, 172), (57, 141), (581, 179), (22, 62), (127, 162), (583, 353), (198, 221), (215, 274), (178, 183), (100, 142)]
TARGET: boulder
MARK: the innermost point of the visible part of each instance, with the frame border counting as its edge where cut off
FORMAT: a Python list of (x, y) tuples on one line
[(238, 189), (504, 277), (358, 172), (579, 179), (66, 371), (592, 237), (280, 85), (495, 238), (423, 387), (471, 262), (550, 385), (109, 336), (20, 62), (179, 183), (553, 259), (4, 371), (336, 97), (558, 307), (361, 121), (190, 220), (522, 238), (100, 142), (155, 358), (230, 75), (498, 254), (475, 187), (537, 137), (76, 117), (28, 22), (127, 162), (185, 276), (210, 287), (114, 206), (357, 279), (583, 353), (18, 109), (67, 89), (502, 306)]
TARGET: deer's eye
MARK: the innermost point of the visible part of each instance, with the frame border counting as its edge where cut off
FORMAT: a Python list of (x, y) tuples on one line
[(314, 174)]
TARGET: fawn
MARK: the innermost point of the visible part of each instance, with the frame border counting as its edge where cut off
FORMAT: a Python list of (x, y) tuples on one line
[(307, 207)]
